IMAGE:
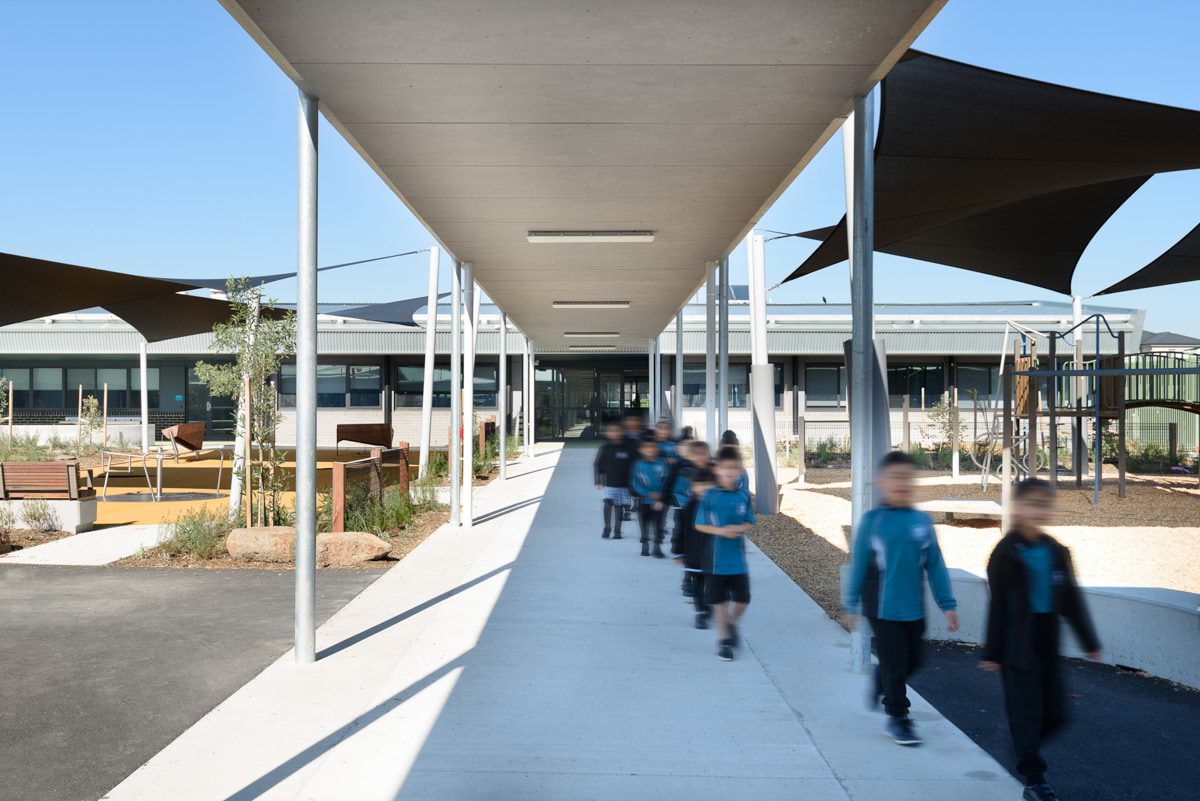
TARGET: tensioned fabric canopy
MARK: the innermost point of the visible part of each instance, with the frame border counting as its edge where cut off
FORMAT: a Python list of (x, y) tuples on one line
[(1181, 263), (34, 288), (1005, 175)]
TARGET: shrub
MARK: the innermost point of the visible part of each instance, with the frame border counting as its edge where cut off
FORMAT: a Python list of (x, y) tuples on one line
[(8, 519), (439, 465), (364, 512), (24, 448), (199, 533), (920, 456), (38, 515), (424, 495), (828, 450)]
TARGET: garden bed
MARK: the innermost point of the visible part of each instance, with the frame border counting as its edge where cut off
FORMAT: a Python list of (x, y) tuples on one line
[(24, 538)]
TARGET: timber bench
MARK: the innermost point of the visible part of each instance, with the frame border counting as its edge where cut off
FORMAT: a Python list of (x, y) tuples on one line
[(377, 434), (53, 483)]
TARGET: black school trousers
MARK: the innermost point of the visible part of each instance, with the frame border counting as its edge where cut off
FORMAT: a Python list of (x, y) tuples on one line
[(898, 645), (1034, 699), (651, 521)]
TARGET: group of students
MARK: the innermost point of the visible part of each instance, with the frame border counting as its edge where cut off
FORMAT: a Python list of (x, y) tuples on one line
[(1032, 585), (1030, 575), (707, 503)]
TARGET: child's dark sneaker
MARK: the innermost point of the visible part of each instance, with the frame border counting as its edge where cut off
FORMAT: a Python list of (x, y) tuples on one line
[(658, 552), (605, 533), (1039, 792), (645, 549), (617, 536), (735, 639), (701, 620), (902, 731), (725, 651)]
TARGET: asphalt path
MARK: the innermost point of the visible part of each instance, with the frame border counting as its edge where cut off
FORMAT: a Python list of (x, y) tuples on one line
[(1128, 738), (101, 667)]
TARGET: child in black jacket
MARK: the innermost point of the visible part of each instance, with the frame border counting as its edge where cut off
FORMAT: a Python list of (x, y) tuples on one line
[(688, 546), (613, 465), (1033, 584)]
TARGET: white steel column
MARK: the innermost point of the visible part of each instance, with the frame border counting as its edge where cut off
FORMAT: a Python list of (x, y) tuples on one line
[(455, 445), (1079, 444), (762, 386), (710, 356), (677, 395), (532, 395), (306, 384), (723, 349), (526, 392), (471, 308), (502, 398), (143, 373), (858, 135), (650, 380), (430, 351)]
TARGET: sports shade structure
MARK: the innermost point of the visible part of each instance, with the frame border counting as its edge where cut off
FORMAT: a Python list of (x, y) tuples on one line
[(1008, 176)]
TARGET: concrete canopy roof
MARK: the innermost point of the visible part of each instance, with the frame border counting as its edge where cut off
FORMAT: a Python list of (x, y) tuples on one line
[(490, 120)]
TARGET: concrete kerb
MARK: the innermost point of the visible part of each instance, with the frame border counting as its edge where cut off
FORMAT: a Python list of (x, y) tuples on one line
[(1150, 629)]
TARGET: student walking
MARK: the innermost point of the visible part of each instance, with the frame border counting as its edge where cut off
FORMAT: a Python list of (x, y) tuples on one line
[(725, 515), (1032, 583), (614, 462), (667, 446), (689, 547), (895, 547), (649, 476)]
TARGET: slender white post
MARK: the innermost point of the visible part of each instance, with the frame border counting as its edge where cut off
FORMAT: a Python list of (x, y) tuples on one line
[(677, 395), (455, 446), (306, 386), (1079, 445), (762, 387), (143, 374), (723, 349), (431, 305), (532, 395), (526, 392), (502, 398), (470, 304), (650, 379), (710, 356), (858, 136)]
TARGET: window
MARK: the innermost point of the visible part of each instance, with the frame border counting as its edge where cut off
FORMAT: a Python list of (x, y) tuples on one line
[(487, 382), (410, 386), (825, 385), (47, 390), (694, 386), (117, 379), (331, 386), (917, 381), (19, 378), (366, 382), (977, 381), (739, 386), (135, 384), (778, 386)]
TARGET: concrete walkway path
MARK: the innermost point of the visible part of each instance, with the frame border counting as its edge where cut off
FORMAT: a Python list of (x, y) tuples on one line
[(527, 658), (101, 546)]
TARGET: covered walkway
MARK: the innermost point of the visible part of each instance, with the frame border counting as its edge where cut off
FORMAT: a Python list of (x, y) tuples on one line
[(527, 658)]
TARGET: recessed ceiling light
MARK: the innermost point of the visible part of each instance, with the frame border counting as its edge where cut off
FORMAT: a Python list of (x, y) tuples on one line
[(589, 237), (591, 304), (592, 347), (592, 334)]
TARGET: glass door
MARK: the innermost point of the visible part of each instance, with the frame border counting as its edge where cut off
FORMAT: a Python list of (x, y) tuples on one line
[(219, 412)]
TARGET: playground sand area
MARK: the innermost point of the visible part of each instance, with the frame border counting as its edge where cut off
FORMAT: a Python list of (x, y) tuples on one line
[(1149, 539)]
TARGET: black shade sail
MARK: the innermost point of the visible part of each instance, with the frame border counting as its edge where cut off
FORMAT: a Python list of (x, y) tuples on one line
[(397, 312), (1181, 263), (259, 280), (32, 288), (1004, 175)]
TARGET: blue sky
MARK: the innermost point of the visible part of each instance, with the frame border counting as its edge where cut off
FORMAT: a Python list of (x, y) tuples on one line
[(159, 139)]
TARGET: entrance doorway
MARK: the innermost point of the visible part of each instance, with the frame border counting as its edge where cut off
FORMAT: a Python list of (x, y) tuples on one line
[(219, 412), (577, 396)]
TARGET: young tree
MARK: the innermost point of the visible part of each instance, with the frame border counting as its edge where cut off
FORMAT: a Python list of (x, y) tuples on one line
[(259, 344)]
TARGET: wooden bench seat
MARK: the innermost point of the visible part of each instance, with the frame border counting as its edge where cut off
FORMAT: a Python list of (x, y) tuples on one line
[(46, 480), (377, 434)]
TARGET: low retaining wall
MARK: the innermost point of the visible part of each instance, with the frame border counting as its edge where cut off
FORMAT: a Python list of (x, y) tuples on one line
[(1150, 629), (119, 434), (73, 516)]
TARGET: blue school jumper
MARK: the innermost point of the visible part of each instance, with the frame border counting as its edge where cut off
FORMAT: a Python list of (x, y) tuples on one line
[(895, 548), (719, 508)]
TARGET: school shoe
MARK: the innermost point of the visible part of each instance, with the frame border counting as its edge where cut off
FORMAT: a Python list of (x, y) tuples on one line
[(658, 552), (735, 639), (902, 731), (605, 533), (617, 534), (686, 586), (701, 620), (725, 651), (645, 549), (1039, 792)]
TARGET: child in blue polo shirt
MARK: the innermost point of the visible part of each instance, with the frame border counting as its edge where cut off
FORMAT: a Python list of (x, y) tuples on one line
[(667, 447), (725, 515), (895, 547), (1032, 586), (649, 476)]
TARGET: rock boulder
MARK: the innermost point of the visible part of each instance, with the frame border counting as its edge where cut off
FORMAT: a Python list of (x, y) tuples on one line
[(262, 544), (349, 548)]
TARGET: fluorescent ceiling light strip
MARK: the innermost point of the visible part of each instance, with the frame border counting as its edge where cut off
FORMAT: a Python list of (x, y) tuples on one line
[(592, 334), (589, 237), (591, 304), (592, 347)]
